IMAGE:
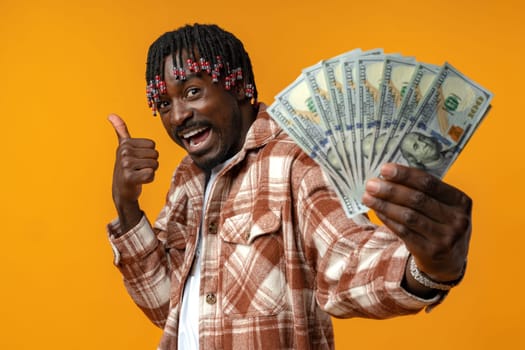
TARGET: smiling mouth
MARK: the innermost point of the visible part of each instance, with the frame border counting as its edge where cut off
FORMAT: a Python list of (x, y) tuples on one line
[(194, 137)]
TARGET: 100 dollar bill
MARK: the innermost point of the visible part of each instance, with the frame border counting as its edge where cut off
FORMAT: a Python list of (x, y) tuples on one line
[(444, 122)]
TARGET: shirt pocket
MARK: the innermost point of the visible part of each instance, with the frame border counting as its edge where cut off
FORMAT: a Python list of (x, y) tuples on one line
[(251, 273)]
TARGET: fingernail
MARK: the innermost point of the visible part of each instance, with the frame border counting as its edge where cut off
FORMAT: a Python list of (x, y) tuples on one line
[(372, 186), (367, 199), (388, 171)]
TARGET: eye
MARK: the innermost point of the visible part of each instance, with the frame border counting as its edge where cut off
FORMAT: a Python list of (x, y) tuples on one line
[(192, 92), (163, 106)]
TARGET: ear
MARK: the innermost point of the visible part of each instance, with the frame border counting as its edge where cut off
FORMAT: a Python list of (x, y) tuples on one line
[(239, 91)]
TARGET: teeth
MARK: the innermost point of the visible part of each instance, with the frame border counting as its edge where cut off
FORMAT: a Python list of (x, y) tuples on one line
[(191, 133)]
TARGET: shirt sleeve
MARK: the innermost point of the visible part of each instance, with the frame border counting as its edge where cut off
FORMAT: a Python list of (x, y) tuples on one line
[(142, 261), (359, 266)]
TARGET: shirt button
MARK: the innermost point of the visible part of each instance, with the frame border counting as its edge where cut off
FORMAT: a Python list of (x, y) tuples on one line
[(212, 227), (211, 298)]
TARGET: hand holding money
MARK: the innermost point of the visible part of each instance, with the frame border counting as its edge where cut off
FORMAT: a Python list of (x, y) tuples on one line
[(354, 112), (430, 216), (385, 129)]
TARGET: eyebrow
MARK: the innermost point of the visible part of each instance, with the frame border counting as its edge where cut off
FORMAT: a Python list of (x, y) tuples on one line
[(190, 76), (194, 75)]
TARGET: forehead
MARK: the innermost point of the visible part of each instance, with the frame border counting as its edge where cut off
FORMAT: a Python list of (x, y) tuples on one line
[(177, 59), (170, 67), (168, 63), (175, 84), (411, 137), (181, 55)]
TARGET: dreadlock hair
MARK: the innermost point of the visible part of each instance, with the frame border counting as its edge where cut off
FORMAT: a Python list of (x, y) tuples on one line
[(220, 54)]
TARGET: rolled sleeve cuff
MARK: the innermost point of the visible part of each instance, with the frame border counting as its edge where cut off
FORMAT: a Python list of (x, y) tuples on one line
[(131, 245)]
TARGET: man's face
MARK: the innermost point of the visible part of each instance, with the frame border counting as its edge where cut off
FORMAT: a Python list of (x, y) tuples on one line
[(421, 147), (201, 117)]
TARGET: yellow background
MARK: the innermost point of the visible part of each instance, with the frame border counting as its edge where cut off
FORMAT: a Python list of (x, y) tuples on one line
[(65, 65)]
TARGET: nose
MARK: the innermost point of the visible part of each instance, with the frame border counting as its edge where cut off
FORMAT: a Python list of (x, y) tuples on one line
[(180, 112)]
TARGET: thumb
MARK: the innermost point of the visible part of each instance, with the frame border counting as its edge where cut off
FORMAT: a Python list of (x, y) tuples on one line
[(120, 127)]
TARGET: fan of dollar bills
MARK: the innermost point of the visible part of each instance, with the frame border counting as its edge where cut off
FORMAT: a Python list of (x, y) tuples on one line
[(358, 110)]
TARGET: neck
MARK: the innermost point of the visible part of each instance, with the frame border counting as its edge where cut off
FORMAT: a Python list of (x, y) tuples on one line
[(248, 115)]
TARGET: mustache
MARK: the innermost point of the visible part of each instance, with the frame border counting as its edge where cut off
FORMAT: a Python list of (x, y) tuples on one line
[(190, 125)]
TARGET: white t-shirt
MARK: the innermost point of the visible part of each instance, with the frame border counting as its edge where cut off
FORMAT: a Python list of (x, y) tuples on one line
[(189, 321)]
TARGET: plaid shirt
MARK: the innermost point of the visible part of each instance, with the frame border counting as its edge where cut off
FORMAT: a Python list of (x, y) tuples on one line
[(279, 255)]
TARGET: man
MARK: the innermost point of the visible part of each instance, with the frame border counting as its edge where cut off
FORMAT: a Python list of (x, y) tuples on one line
[(425, 152), (252, 249)]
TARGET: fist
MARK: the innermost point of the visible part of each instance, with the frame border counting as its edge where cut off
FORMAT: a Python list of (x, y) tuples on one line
[(135, 164)]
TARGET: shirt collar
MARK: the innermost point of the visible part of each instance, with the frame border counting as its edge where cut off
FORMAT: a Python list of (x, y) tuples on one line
[(263, 129)]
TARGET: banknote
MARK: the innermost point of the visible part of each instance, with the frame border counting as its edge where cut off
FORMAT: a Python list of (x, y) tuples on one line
[(417, 89), (349, 71), (356, 111), (334, 76), (369, 81), (317, 85), (397, 75), (298, 103), (444, 122)]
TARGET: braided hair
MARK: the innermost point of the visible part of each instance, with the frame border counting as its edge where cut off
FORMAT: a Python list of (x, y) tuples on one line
[(220, 54)]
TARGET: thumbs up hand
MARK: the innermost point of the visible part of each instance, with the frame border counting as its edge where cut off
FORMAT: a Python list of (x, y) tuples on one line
[(135, 165)]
